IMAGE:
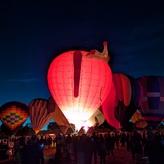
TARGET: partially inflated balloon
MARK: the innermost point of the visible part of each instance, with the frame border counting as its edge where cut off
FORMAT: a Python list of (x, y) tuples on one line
[(58, 115), (108, 107), (96, 119), (127, 97), (39, 115), (13, 114)]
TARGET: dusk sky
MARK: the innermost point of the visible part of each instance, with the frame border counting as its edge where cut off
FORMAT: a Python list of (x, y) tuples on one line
[(33, 32)]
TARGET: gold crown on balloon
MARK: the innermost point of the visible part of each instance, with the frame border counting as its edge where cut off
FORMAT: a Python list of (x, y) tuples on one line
[(100, 55)]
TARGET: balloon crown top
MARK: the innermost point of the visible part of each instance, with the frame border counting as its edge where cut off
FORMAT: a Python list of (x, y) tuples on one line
[(100, 55)]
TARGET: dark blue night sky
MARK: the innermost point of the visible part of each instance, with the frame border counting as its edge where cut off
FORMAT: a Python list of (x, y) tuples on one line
[(33, 32)]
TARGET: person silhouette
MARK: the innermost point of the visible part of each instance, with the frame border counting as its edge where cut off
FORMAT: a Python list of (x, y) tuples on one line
[(33, 152)]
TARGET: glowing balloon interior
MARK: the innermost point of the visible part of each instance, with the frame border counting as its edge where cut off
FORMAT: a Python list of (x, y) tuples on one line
[(95, 120), (58, 115), (79, 81)]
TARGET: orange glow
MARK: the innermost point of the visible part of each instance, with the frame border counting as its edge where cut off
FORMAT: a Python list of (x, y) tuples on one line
[(123, 88), (93, 86), (95, 120), (86, 128), (138, 120)]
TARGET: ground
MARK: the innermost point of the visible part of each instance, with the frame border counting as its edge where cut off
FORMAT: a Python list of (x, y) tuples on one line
[(121, 156)]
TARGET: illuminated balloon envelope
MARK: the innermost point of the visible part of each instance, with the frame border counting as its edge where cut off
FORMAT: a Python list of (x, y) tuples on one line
[(152, 99), (13, 114), (58, 115), (127, 97), (96, 119), (138, 120), (39, 115), (79, 81)]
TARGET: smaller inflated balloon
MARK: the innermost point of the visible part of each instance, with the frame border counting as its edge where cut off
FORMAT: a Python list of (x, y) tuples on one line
[(39, 115), (138, 120), (13, 114)]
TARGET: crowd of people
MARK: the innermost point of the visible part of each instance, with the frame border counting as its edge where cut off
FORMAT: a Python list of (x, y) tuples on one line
[(26, 149), (85, 148)]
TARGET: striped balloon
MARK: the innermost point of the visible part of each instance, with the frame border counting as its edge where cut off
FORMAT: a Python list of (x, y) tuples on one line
[(152, 99), (39, 115)]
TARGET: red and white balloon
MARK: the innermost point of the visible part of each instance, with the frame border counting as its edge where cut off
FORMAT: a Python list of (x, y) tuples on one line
[(79, 82)]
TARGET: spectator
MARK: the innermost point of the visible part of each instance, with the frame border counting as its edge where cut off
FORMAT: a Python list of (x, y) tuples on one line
[(117, 139), (94, 147), (102, 149), (136, 145), (127, 141), (123, 139), (110, 144), (80, 149), (42, 142), (150, 145), (19, 146), (69, 147), (33, 152), (157, 147)]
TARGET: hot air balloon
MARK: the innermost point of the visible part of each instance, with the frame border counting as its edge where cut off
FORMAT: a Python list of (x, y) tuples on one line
[(58, 115), (138, 120), (108, 107), (127, 97), (13, 114), (152, 99), (79, 81), (96, 119), (122, 100), (39, 115)]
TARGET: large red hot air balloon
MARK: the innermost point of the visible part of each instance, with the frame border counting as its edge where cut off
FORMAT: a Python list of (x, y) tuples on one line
[(39, 115), (79, 81), (13, 114), (152, 99)]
